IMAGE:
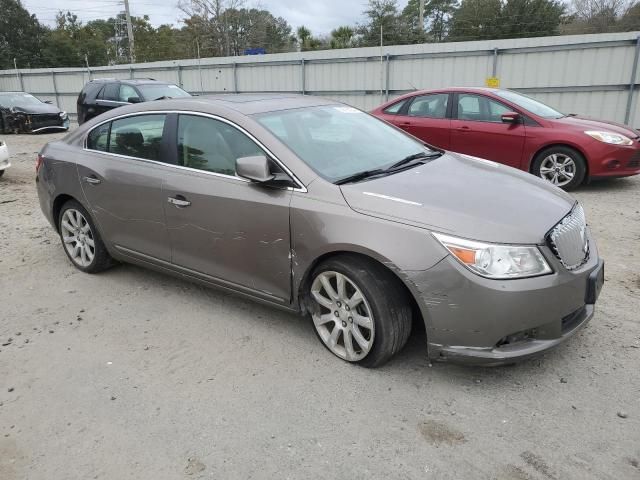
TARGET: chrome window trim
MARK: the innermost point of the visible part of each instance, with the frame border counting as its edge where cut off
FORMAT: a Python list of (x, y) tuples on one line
[(300, 188)]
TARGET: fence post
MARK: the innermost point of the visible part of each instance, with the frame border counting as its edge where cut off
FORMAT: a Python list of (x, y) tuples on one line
[(494, 70), (386, 81), (302, 78), (130, 71), (180, 76), (20, 80), (55, 87), (235, 77), (632, 82)]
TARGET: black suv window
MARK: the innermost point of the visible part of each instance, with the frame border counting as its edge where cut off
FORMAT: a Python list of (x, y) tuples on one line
[(111, 91)]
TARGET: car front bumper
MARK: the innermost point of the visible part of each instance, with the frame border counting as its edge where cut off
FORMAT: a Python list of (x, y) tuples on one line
[(606, 161), (475, 320)]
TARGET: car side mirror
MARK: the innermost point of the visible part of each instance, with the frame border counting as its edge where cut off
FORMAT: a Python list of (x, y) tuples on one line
[(133, 100), (254, 168), (510, 117)]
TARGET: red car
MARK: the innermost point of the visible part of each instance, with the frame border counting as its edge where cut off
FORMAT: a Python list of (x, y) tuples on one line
[(516, 130)]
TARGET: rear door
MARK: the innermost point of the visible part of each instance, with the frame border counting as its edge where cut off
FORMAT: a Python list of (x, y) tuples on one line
[(222, 227), (477, 129), (427, 117), (121, 177)]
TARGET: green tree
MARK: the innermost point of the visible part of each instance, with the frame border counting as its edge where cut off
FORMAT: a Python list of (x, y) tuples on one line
[(21, 36), (437, 16), (531, 18), (383, 19), (476, 20), (342, 37)]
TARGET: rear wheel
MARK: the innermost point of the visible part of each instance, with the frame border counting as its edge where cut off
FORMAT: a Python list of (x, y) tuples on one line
[(81, 240), (360, 311), (1, 172), (562, 166)]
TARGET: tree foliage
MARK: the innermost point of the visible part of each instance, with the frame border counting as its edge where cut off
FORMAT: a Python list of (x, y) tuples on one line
[(228, 27)]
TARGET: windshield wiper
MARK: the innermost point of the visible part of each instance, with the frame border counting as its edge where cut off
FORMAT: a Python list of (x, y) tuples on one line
[(416, 156), (360, 176)]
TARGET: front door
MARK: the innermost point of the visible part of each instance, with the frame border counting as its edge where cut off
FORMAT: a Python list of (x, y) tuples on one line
[(123, 188), (225, 228), (477, 129)]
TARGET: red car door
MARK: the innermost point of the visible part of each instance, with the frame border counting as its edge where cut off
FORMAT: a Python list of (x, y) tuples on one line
[(425, 117), (477, 129)]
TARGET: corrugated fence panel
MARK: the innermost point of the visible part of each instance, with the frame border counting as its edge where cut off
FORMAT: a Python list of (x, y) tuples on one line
[(269, 78), (584, 74)]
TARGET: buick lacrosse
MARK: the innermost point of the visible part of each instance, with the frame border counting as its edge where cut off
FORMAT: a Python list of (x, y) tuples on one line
[(314, 206)]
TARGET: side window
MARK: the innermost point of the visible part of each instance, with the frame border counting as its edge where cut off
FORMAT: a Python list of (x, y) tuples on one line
[(98, 138), (111, 91), (395, 108), (127, 92), (480, 108), (211, 145), (432, 106), (469, 107), (139, 136)]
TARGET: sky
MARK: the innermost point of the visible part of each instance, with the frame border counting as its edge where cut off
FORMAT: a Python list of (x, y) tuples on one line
[(320, 16)]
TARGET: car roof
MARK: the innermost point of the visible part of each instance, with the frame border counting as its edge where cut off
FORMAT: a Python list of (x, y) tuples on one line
[(131, 81), (248, 103)]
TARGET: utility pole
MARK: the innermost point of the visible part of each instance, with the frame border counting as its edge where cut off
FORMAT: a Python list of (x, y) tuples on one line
[(421, 16), (132, 55), (381, 68)]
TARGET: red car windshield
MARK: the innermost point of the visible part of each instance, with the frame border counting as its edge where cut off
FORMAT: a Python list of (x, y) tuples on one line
[(529, 104)]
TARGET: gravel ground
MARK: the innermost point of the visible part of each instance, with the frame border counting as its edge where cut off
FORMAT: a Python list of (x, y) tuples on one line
[(134, 375)]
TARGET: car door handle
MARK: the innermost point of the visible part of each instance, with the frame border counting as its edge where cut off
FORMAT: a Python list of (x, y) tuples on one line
[(179, 201), (464, 129), (92, 180)]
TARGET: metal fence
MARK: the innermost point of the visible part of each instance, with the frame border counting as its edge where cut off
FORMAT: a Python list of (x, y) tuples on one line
[(591, 75)]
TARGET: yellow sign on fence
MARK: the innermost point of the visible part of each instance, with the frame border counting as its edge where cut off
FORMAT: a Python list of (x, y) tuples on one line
[(493, 82)]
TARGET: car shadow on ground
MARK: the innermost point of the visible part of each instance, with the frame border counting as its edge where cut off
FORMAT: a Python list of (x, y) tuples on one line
[(411, 365), (608, 184)]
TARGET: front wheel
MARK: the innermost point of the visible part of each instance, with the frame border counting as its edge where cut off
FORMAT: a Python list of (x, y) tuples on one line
[(360, 311), (81, 240), (562, 166)]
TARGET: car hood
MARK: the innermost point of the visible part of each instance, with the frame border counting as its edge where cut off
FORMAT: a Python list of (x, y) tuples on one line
[(460, 195), (37, 109), (585, 123)]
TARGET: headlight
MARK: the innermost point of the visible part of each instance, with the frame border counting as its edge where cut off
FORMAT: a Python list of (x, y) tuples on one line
[(494, 260), (63, 114), (610, 137)]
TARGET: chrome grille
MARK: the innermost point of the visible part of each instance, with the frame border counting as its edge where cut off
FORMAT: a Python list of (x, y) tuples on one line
[(568, 239)]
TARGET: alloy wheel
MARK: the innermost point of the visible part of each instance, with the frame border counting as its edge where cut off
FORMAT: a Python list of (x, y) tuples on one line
[(77, 237), (343, 319), (558, 168)]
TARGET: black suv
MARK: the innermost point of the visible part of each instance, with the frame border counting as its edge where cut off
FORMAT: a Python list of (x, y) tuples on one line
[(101, 95)]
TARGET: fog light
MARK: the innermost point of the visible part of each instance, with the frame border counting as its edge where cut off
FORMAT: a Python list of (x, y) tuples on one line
[(613, 164)]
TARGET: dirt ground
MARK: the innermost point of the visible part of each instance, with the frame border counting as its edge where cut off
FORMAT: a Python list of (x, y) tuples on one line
[(130, 374)]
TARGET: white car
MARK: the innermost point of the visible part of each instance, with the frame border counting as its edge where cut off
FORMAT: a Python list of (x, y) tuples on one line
[(4, 157)]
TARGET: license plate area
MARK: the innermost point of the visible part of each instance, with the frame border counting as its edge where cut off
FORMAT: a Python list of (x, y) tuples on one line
[(595, 283)]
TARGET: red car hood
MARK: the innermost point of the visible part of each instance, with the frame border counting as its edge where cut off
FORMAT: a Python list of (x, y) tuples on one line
[(585, 123)]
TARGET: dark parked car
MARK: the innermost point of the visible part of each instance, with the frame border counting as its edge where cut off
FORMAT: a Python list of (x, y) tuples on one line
[(21, 112), (516, 130), (101, 95), (316, 207)]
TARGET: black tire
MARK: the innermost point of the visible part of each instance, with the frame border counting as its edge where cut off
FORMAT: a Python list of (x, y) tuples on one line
[(578, 159), (386, 297), (1, 172), (101, 259)]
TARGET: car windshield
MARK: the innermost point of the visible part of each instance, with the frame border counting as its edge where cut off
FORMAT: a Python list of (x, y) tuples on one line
[(154, 91), (10, 100), (529, 104), (338, 141)]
